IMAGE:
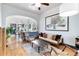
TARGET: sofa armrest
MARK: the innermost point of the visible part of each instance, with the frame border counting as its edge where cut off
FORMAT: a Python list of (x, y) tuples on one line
[(49, 40)]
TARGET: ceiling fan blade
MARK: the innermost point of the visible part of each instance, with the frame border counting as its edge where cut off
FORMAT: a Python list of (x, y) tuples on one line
[(47, 4)]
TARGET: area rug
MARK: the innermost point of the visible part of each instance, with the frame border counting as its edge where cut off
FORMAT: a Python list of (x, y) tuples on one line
[(31, 51)]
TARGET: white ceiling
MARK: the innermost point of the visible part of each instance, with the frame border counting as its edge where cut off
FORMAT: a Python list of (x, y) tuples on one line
[(25, 6), (22, 20)]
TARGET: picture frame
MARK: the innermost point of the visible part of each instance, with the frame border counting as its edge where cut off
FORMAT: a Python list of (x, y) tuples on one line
[(57, 23)]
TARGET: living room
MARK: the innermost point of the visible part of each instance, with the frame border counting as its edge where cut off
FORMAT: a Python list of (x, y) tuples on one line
[(26, 22)]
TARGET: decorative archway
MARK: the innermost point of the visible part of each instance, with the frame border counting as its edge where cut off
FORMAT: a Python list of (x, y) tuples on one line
[(20, 24), (30, 23)]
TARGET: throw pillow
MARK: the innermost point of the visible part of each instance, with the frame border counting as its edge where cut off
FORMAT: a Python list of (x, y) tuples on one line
[(58, 37)]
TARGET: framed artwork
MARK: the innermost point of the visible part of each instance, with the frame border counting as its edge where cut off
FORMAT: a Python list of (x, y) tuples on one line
[(57, 23)]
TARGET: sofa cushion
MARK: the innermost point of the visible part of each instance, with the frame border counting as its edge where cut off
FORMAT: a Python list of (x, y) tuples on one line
[(49, 36)]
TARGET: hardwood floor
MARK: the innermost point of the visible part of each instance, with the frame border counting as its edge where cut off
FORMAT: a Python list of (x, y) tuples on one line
[(1, 52), (16, 52)]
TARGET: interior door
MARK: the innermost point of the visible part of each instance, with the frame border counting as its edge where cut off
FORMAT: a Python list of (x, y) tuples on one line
[(1, 48), (2, 42)]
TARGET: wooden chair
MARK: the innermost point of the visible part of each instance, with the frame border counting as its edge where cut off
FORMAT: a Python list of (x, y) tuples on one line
[(66, 51), (52, 52), (70, 51)]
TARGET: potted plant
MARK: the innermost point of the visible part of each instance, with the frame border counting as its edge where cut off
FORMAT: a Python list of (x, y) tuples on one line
[(9, 32)]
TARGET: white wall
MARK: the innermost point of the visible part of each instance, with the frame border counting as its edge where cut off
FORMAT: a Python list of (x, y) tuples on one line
[(8, 10), (69, 36)]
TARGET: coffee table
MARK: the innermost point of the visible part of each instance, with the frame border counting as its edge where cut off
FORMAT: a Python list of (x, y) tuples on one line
[(39, 44)]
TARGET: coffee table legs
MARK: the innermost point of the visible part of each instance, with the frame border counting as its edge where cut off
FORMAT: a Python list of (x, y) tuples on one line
[(38, 49), (32, 44)]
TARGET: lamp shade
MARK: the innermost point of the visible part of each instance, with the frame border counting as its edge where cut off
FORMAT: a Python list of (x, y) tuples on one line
[(69, 9)]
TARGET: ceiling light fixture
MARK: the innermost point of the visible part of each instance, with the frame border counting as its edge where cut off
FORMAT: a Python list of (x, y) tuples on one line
[(37, 6)]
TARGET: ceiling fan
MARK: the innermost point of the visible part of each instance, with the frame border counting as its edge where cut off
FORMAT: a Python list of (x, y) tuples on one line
[(39, 4), (46, 4)]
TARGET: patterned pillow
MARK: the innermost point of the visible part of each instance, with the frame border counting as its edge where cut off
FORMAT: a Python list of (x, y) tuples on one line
[(41, 34), (44, 35), (58, 37)]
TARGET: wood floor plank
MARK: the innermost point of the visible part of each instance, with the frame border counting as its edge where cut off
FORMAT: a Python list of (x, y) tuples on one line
[(16, 52), (1, 52)]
